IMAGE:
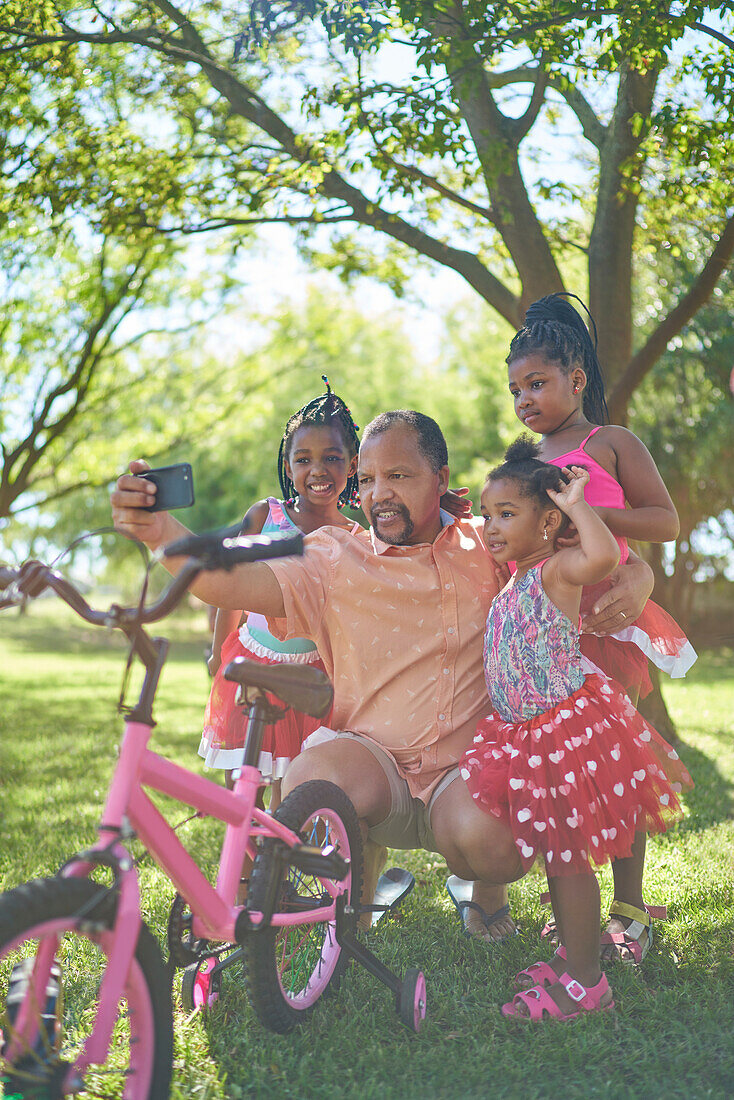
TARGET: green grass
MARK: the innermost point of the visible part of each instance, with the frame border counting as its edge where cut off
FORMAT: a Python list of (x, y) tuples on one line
[(671, 1037)]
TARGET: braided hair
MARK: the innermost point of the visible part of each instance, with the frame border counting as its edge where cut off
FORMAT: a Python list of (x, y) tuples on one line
[(325, 410), (555, 329), (533, 476)]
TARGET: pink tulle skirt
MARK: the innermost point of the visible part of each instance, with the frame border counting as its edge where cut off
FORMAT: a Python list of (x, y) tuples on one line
[(224, 722), (575, 783), (654, 636)]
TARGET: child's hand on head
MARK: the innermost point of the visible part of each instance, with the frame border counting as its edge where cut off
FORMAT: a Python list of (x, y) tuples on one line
[(572, 492)]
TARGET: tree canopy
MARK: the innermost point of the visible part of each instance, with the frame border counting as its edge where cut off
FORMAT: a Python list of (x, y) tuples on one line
[(439, 129)]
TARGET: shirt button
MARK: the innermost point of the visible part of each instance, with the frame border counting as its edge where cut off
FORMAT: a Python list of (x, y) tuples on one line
[(450, 630), (442, 717), (447, 586), (445, 672)]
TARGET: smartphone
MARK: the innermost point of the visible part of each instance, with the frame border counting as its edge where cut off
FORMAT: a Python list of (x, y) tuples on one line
[(175, 487)]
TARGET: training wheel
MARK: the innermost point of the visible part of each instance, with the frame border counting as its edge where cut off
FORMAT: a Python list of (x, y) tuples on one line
[(199, 989), (412, 1000)]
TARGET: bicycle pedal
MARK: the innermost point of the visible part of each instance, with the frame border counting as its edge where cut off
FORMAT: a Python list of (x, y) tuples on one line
[(319, 862)]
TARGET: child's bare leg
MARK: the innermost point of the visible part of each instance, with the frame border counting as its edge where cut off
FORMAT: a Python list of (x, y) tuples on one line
[(627, 874), (576, 906)]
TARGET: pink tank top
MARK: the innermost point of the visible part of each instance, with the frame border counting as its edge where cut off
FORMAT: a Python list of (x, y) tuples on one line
[(602, 490)]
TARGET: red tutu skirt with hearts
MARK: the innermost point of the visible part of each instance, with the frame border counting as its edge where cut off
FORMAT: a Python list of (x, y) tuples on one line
[(223, 737), (654, 636), (576, 782)]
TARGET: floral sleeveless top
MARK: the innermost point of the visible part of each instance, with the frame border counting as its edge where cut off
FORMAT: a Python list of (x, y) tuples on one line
[(531, 651)]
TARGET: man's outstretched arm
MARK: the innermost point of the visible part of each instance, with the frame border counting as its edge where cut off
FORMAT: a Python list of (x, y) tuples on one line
[(252, 586)]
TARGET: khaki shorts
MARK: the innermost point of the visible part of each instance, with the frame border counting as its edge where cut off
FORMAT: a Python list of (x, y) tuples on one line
[(408, 825)]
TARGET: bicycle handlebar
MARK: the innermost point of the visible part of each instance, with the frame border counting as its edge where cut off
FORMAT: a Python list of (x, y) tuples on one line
[(215, 552), (203, 551)]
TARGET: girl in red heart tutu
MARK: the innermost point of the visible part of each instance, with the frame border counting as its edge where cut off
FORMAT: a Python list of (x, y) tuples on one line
[(564, 759)]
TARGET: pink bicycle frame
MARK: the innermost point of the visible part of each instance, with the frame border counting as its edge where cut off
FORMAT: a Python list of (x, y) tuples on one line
[(214, 908)]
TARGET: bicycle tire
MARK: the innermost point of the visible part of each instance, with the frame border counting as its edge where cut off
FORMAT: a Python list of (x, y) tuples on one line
[(288, 970), (140, 1058)]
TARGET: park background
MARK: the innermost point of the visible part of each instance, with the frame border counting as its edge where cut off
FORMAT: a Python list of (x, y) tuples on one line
[(204, 208)]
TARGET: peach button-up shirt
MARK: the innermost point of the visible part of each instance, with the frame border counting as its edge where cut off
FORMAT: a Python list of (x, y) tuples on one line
[(400, 631)]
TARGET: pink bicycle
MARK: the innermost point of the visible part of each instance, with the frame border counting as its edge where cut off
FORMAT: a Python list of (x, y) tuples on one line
[(85, 998)]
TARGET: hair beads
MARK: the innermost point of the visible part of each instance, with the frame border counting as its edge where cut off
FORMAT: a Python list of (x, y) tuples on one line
[(326, 410)]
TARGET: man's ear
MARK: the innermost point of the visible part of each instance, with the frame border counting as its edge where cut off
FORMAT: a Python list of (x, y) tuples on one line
[(443, 480)]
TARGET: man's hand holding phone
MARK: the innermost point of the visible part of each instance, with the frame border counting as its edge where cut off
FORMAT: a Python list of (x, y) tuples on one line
[(131, 508)]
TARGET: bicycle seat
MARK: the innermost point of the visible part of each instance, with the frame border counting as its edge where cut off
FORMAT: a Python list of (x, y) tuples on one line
[(300, 686)]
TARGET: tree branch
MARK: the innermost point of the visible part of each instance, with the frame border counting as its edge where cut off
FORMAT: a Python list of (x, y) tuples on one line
[(496, 147), (251, 106), (644, 360), (521, 126), (593, 129)]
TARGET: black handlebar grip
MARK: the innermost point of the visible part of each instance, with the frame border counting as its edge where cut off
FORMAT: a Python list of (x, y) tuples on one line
[(214, 552)]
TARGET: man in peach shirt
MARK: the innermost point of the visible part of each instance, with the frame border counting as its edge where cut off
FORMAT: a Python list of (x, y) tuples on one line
[(398, 616)]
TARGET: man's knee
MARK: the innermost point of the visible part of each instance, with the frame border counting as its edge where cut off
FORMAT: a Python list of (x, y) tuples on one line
[(491, 855), (470, 838), (352, 768), (302, 768)]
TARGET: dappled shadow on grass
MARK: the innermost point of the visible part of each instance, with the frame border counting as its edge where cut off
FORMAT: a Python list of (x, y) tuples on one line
[(710, 801)]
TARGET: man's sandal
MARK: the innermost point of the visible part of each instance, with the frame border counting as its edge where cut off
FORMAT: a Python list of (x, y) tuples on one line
[(538, 973), (628, 945), (460, 891), (539, 1003)]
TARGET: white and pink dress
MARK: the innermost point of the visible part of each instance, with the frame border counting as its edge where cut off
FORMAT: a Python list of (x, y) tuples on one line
[(223, 737)]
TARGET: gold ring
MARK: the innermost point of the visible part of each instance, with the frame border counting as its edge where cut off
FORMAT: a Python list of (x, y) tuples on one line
[(622, 614)]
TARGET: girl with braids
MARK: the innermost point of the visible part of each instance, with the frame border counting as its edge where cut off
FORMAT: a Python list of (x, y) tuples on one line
[(556, 381), (564, 760), (317, 465)]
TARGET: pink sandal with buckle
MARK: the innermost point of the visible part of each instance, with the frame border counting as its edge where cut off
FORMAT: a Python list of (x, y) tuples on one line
[(538, 973), (539, 1002), (631, 938)]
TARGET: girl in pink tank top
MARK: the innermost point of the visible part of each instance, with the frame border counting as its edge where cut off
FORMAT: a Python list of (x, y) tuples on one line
[(317, 465), (556, 381)]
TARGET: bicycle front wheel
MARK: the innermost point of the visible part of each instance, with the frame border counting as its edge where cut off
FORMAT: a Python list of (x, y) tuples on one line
[(289, 969), (62, 927)]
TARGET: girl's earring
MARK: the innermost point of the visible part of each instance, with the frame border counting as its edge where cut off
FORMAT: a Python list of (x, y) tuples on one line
[(575, 389), (545, 536)]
